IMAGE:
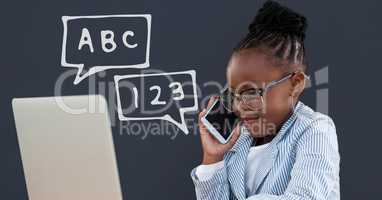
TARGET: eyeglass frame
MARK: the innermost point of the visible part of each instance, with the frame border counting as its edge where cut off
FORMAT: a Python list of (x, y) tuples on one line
[(260, 91)]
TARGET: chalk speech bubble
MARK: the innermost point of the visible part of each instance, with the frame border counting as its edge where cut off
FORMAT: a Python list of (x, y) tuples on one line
[(101, 42), (159, 92)]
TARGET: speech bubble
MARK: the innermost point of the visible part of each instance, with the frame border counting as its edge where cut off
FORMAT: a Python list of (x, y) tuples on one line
[(155, 96), (101, 42)]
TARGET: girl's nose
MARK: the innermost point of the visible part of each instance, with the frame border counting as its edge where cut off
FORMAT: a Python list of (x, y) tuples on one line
[(243, 110)]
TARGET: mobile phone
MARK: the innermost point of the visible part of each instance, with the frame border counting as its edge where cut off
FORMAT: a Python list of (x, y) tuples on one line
[(220, 122)]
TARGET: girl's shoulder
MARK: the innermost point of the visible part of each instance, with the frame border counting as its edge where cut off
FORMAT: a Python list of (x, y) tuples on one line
[(307, 117), (310, 123)]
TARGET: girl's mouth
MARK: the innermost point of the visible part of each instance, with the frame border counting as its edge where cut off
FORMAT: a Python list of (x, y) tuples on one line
[(250, 120)]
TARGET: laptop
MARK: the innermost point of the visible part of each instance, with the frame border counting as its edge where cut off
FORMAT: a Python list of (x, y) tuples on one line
[(67, 148)]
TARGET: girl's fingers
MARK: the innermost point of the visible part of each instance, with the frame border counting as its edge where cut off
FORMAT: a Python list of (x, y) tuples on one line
[(211, 101), (201, 114), (204, 111), (202, 128)]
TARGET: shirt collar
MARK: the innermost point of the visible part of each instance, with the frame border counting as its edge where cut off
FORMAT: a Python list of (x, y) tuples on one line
[(245, 135)]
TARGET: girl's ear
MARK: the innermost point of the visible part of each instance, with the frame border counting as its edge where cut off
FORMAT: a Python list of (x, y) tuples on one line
[(298, 83)]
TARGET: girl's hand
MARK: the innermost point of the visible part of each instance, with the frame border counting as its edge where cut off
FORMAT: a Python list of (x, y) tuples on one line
[(213, 150)]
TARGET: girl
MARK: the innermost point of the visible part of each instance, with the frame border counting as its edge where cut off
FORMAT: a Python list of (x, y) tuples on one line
[(282, 149)]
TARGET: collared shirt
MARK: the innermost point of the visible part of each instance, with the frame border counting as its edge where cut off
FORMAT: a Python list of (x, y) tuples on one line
[(301, 162)]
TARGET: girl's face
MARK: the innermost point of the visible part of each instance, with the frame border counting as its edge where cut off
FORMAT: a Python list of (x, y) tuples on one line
[(248, 69)]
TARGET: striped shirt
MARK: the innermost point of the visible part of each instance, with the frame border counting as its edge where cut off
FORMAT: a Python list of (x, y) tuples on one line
[(301, 162)]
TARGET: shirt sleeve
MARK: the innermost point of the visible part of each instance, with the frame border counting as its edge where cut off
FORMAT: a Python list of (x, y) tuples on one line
[(205, 172)]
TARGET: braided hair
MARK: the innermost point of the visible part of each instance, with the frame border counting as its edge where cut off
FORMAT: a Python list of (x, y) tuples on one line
[(278, 29)]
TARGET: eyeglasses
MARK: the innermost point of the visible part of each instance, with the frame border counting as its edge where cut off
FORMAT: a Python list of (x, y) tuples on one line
[(253, 97)]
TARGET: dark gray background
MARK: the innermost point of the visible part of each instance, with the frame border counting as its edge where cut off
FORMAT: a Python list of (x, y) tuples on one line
[(345, 35)]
